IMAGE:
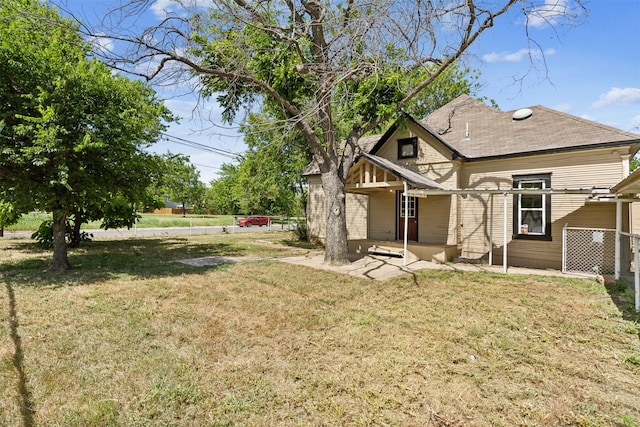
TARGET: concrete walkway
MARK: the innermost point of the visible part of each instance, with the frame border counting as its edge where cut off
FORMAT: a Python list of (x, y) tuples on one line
[(381, 267), (377, 267)]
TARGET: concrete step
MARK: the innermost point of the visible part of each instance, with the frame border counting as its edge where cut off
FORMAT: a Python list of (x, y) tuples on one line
[(386, 250)]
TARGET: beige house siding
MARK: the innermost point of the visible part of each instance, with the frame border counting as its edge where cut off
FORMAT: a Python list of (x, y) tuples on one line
[(357, 206), (356, 212), (436, 220), (568, 170), (635, 218), (382, 216)]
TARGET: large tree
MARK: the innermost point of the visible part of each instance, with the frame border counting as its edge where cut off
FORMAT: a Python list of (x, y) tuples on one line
[(336, 70), (73, 133), (180, 181), (268, 178)]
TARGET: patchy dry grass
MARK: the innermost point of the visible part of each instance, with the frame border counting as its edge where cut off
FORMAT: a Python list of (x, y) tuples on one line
[(129, 338)]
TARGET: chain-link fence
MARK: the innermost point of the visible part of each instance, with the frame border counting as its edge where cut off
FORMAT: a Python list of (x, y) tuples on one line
[(588, 250)]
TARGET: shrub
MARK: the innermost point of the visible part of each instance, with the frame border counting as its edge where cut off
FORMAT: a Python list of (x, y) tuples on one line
[(301, 231), (44, 234)]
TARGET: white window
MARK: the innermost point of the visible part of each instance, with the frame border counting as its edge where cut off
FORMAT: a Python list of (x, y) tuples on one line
[(532, 212), (410, 209)]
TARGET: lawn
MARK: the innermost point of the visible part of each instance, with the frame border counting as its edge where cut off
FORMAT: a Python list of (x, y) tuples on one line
[(131, 338)]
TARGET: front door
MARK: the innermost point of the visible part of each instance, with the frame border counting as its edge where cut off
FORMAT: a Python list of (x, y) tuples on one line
[(411, 212)]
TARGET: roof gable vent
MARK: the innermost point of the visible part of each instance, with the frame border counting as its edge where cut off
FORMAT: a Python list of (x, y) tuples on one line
[(522, 114)]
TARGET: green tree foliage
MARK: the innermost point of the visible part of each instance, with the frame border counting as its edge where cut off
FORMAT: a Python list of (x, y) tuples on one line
[(73, 134), (268, 179), (9, 215), (221, 196), (180, 181)]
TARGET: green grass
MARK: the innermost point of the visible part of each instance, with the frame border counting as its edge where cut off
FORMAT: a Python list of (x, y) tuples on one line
[(31, 221), (130, 337)]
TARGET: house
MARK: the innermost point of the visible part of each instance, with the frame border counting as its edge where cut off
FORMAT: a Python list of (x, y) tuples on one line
[(170, 207), (485, 185)]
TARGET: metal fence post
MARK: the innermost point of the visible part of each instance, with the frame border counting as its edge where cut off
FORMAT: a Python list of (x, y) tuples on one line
[(564, 248), (636, 272)]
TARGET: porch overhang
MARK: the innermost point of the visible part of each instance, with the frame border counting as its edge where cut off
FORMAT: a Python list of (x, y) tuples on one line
[(629, 185), (373, 173)]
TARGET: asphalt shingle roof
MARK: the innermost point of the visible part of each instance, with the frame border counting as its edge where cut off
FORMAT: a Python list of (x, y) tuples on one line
[(493, 133)]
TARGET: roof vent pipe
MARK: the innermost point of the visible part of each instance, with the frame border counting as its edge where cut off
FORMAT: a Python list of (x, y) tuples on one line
[(466, 133)]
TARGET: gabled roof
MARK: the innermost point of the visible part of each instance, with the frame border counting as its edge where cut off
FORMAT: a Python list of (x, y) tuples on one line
[(478, 131), (471, 131), (383, 139), (412, 177)]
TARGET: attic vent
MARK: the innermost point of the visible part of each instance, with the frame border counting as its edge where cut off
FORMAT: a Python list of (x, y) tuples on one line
[(521, 114)]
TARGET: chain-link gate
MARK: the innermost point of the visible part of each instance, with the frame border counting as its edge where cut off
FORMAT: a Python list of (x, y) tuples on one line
[(588, 250)]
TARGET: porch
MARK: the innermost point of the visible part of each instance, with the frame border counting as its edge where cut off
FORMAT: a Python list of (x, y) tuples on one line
[(415, 251)]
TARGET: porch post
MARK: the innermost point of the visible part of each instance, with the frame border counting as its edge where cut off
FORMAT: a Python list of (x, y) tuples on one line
[(406, 219), (636, 272), (504, 245), (491, 229), (618, 237)]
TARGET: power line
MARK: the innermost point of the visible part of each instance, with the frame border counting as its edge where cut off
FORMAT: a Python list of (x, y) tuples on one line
[(205, 166), (193, 144)]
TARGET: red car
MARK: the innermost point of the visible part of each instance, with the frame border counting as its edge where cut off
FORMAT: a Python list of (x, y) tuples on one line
[(255, 220)]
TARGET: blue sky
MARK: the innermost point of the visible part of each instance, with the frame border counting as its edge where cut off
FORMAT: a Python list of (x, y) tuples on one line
[(591, 70)]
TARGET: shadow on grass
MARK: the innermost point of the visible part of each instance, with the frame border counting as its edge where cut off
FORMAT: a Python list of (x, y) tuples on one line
[(621, 294), (24, 395), (302, 245), (102, 260)]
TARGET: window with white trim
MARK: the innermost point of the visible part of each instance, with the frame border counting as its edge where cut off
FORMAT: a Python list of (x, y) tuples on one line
[(532, 212)]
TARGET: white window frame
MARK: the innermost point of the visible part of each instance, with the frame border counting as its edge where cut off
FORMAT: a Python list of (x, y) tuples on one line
[(412, 207), (542, 209), (543, 180)]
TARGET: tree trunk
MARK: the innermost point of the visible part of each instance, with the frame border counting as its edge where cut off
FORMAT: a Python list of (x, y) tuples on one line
[(336, 249), (75, 235), (60, 260)]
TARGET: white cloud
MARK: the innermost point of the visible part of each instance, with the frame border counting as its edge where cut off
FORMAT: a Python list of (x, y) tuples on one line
[(547, 14), (101, 43), (516, 56), (162, 8), (618, 96)]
